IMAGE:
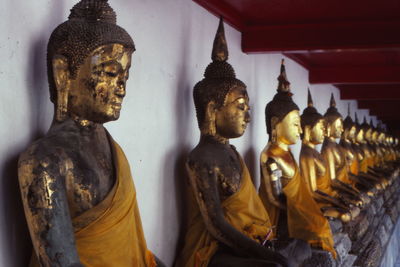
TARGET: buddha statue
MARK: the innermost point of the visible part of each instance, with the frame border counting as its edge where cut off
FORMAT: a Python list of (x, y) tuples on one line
[(227, 222), (366, 181), (336, 159), (284, 192), (313, 166), (76, 186), (346, 143)]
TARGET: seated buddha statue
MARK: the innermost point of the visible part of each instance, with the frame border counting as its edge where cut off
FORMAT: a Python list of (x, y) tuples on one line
[(313, 166), (366, 182), (346, 141), (76, 186), (284, 192), (336, 159), (227, 222)]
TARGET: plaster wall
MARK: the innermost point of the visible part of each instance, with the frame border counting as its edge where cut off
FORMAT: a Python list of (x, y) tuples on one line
[(157, 127)]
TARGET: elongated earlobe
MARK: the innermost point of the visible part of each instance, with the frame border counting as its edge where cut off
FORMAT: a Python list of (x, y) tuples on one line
[(209, 127), (61, 79)]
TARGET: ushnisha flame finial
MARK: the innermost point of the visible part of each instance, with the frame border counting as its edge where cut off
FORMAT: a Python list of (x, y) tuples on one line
[(371, 123), (284, 84), (332, 102), (356, 118), (309, 100), (348, 109), (220, 46)]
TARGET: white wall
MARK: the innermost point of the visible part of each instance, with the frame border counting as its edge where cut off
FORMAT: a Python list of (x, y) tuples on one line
[(157, 127)]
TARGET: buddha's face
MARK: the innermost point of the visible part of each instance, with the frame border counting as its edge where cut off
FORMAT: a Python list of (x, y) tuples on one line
[(381, 138), (360, 137), (368, 135), (317, 133), (351, 133), (289, 129), (375, 136), (97, 92), (232, 118), (336, 128)]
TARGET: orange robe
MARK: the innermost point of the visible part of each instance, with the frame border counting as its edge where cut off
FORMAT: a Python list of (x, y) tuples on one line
[(111, 234), (243, 210), (305, 219)]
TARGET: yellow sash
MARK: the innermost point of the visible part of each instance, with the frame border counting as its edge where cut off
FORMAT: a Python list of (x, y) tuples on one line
[(305, 219), (111, 233), (243, 210)]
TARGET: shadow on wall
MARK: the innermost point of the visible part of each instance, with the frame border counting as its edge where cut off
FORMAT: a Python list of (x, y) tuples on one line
[(251, 160), (176, 158), (15, 232)]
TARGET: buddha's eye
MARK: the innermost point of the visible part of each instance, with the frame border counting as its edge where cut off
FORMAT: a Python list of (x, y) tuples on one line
[(111, 74), (242, 106)]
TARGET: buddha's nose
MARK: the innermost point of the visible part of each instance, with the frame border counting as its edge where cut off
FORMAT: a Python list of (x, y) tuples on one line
[(120, 91)]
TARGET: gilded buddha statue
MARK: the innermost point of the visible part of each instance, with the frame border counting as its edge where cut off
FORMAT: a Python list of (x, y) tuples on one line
[(336, 160), (76, 185), (368, 180), (227, 222), (313, 166), (283, 190), (352, 162)]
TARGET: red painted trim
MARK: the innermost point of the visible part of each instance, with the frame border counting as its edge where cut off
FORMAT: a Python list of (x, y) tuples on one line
[(321, 37), (219, 8), (352, 75), (370, 92)]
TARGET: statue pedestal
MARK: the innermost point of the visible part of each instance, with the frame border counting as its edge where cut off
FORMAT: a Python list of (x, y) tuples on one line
[(342, 247), (320, 258)]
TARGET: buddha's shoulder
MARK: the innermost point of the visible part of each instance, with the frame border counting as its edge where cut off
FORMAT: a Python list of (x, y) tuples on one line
[(51, 147), (208, 155)]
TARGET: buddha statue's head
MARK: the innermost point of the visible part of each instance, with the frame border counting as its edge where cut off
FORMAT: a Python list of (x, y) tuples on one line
[(88, 60), (221, 100), (375, 134), (312, 123), (367, 130), (333, 120), (381, 134), (359, 131), (349, 127), (282, 114)]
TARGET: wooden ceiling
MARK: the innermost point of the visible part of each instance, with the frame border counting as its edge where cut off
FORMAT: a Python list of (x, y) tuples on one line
[(354, 45)]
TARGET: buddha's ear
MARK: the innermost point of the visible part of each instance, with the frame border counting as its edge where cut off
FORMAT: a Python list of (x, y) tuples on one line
[(61, 76), (209, 126), (274, 122), (306, 135)]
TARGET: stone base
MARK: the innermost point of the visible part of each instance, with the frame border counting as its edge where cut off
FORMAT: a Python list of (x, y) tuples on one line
[(371, 256), (349, 261), (336, 225), (320, 258), (342, 247)]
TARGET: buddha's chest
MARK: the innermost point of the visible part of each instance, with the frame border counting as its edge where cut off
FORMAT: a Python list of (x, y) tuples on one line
[(229, 178), (89, 178)]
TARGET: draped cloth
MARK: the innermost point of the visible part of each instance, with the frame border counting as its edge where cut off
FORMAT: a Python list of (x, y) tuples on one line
[(304, 217), (111, 234), (243, 210)]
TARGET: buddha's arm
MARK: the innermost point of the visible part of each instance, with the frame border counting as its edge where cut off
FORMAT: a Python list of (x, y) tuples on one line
[(307, 169), (329, 157), (46, 210), (203, 180), (272, 182)]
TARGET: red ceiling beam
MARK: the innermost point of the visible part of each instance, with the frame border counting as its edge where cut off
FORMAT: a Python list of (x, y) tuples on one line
[(370, 92), (219, 8), (351, 75), (321, 37)]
